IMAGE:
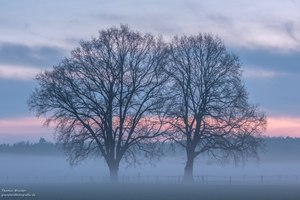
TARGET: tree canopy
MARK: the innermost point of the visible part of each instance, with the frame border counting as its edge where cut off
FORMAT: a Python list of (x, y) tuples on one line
[(209, 111), (106, 97), (120, 93)]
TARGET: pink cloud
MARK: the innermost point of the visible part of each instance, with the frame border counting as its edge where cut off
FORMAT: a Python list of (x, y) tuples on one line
[(23, 126), (277, 126), (283, 126)]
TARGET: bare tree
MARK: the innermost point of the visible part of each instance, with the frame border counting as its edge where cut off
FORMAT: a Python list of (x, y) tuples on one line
[(105, 99), (209, 111)]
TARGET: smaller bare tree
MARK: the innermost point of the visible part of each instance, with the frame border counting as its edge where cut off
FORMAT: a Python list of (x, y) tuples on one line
[(209, 111), (106, 98)]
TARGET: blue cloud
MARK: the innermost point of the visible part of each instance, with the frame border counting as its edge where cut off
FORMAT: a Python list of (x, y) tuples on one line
[(19, 54), (278, 94), (287, 62)]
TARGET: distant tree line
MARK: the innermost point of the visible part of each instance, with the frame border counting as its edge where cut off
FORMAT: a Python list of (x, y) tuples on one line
[(42, 147), (276, 149)]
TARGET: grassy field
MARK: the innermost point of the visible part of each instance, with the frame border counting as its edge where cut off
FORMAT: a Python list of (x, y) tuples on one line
[(90, 191)]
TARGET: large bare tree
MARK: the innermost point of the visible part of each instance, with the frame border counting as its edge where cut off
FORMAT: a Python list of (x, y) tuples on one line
[(105, 99), (209, 111)]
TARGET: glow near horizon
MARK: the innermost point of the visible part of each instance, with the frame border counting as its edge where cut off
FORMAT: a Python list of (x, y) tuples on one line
[(277, 126)]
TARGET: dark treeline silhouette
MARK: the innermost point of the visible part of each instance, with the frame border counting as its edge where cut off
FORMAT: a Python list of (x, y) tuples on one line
[(42, 147), (276, 149), (281, 149)]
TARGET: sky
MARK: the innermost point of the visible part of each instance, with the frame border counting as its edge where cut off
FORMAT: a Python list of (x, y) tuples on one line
[(35, 35)]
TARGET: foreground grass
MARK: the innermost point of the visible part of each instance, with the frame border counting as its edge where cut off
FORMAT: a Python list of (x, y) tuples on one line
[(101, 191)]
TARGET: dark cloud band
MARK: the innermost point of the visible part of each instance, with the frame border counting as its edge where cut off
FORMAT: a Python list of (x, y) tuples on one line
[(20, 54)]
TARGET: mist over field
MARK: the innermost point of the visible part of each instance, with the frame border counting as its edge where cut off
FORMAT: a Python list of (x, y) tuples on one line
[(280, 157), (44, 172), (57, 166)]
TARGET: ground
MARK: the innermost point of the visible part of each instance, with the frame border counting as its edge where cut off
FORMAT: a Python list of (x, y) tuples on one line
[(101, 191)]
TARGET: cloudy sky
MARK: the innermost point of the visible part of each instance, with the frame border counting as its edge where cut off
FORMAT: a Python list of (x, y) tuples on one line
[(35, 35)]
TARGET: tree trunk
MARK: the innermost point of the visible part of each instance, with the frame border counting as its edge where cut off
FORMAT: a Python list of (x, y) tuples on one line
[(113, 172), (188, 169)]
